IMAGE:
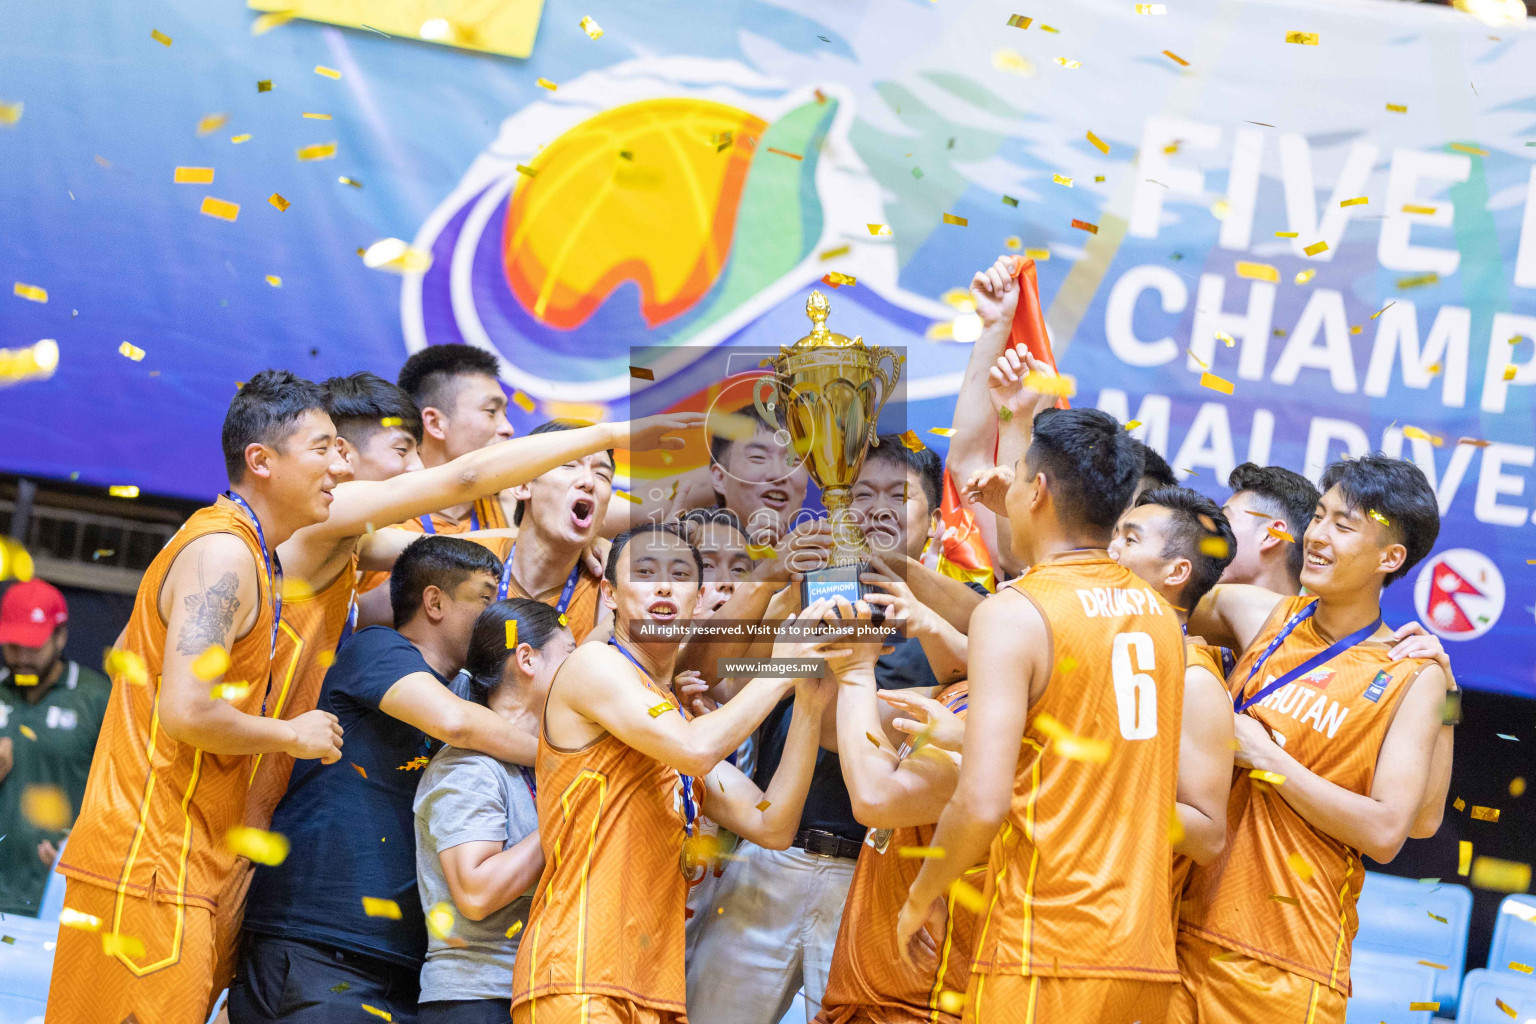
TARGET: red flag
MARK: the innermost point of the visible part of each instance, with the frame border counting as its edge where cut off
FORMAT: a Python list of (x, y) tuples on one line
[(1028, 330), (962, 552)]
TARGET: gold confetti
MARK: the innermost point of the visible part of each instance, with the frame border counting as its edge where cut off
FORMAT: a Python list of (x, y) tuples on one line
[(1463, 857), (274, 281), (220, 208), (912, 441), (764, 805), (1480, 813), (837, 280), (942, 431), (256, 845), (922, 852), (591, 27), (377, 1012), (1176, 58), (517, 926), (30, 292), (758, 552), (1010, 201), (318, 117), (1500, 875), (511, 633), (1062, 179), (1383, 520), (1290, 901), (1175, 826), (1286, 234), (116, 944), (1517, 786), (23, 679), (880, 230), (1416, 208), (359, 769), (265, 85), (628, 497), (1216, 547), (71, 918), (1501, 1004), (731, 425), (123, 490), (1069, 745), (951, 1001), (950, 218), (527, 171), (1315, 248), (1060, 385), (1397, 108), (642, 373), (211, 664), (325, 72), (546, 84), (1522, 968), (10, 113), (131, 351), (1438, 967), (1225, 338), (440, 921), (1038, 255), (871, 737), (1258, 271), (211, 123), (319, 151), (1413, 1007), (1422, 435), (785, 152), (1302, 277), (965, 895), (1098, 143), (1133, 424), (1302, 38), (1418, 280), (230, 691), (827, 254), (377, 906), (267, 22), (1083, 225), (26, 730), (1215, 383), (47, 807), (237, 139), (396, 256), (1509, 372), (1297, 863), (1067, 63), (160, 37), (657, 710), (1151, 8), (127, 665), (1281, 535), (1383, 309), (1019, 21), (1462, 147), (1459, 804), (1357, 201), (523, 402)]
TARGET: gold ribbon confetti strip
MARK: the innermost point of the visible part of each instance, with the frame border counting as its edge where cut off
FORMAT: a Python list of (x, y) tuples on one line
[(1315, 248), (1415, 1007), (47, 807), (320, 151), (1281, 535), (325, 72), (1290, 901), (211, 123), (123, 490), (1522, 968), (1297, 863), (921, 852), (1438, 967), (950, 218), (1437, 917), (965, 895), (1083, 225), (545, 83), (1070, 745), (385, 1014), (1098, 143), (237, 139), (318, 117), (1463, 857), (30, 292), (257, 845), (1067, 62), (1500, 875), (1501, 1004), (880, 230), (1061, 385), (942, 431), (131, 351), (160, 37), (115, 943), (212, 663), (1356, 201), (1019, 21), (1304, 276), (1176, 58), (378, 906), (523, 402), (1062, 179), (841, 250), (836, 279), (220, 208), (1258, 271), (1462, 147), (1286, 234), (1215, 383), (593, 30), (10, 113), (1151, 8), (1302, 38), (657, 710), (1397, 108)]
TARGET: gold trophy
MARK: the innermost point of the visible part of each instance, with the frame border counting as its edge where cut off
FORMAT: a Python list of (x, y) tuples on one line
[(823, 393)]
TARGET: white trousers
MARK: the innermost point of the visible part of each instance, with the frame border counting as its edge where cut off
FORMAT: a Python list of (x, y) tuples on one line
[(777, 925)]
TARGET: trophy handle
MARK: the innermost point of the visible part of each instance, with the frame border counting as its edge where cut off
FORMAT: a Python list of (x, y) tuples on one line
[(772, 386), (888, 378)]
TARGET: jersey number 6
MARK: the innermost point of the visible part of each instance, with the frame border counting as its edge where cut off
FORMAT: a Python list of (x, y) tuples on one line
[(1135, 691)]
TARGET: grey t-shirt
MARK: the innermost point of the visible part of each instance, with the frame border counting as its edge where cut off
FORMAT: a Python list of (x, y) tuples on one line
[(467, 797)]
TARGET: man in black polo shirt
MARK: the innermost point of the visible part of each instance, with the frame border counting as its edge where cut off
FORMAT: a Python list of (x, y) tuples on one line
[(776, 913), (338, 924)]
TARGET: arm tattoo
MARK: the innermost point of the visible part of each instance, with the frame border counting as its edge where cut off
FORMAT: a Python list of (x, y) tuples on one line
[(210, 614)]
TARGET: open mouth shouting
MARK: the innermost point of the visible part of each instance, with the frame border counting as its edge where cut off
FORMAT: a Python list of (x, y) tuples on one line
[(776, 498), (662, 609), (583, 511)]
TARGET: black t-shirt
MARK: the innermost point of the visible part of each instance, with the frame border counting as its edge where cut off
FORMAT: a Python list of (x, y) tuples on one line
[(352, 836), (827, 807)]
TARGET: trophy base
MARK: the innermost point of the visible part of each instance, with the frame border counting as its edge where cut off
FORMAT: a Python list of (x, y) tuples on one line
[(839, 581)]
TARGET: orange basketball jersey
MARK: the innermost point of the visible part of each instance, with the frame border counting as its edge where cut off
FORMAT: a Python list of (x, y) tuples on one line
[(1197, 654), (867, 973), (607, 917), (1333, 720), (581, 613), (486, 514), (1077, 878), (155, 811)]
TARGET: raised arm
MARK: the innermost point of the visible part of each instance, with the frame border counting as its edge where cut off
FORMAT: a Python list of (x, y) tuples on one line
[(1377, 824), (210, 599), (1009, 640), (995, 293), (1205, 766), (420, 699), (943, 645), (770, 818)]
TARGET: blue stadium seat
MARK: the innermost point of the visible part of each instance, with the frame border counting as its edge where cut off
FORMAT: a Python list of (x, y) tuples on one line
[(1384, 985), (1482, 987), (1514, 933), (1402, 917)]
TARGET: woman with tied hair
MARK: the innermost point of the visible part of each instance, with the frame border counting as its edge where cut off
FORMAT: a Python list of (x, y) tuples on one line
[(477, 830)]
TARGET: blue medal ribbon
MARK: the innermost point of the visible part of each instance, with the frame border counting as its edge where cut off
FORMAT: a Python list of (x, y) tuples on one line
[(427, 527), (530, 781), (690, 812), (565, 593), (272, 565), (1317, 660)]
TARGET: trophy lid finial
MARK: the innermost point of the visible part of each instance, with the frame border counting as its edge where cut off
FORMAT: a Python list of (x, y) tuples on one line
[(817, 308)]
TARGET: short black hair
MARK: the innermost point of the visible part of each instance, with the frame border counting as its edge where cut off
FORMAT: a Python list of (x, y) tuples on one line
[(1199, 531), (925, 462), (1282, 494), (720, 445), (359, 403), (427, 375), (435, 561), (262, 412), (545, 428), (611, 570), (537, 624), (1395, 490), (1155, 468), (695, 518), (1093, 466)]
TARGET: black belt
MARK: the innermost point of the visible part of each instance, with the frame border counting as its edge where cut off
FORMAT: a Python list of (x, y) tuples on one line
[(825, 844)]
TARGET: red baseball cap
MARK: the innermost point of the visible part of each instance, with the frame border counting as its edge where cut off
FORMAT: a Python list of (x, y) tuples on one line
[(30, 612)]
